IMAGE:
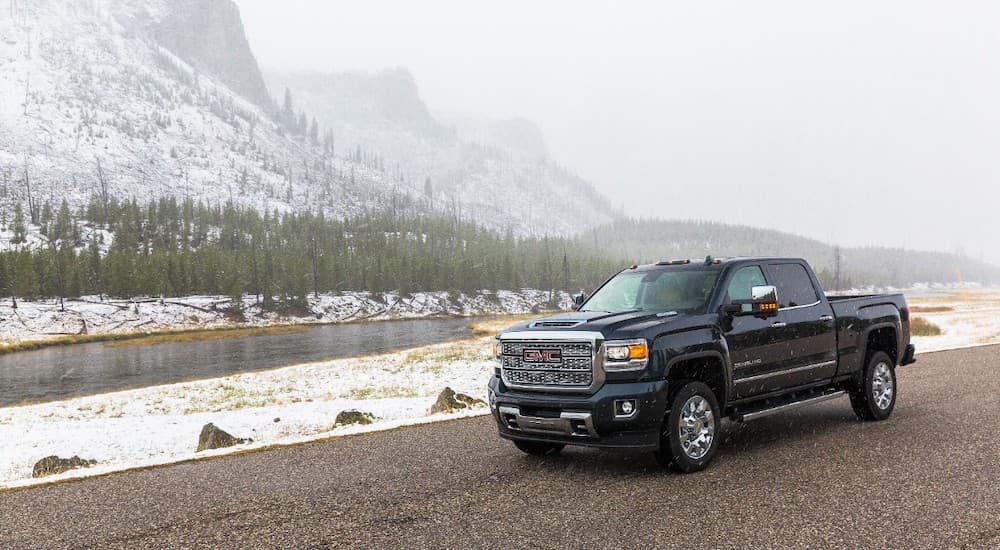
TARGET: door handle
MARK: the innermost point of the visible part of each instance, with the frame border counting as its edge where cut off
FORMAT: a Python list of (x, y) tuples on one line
[(826, 318), (779, 324)]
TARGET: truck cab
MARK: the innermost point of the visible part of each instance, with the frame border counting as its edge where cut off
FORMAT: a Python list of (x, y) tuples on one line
[(661, 353)]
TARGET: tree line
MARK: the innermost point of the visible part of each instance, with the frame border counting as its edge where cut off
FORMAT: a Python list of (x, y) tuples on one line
[(170, 247)]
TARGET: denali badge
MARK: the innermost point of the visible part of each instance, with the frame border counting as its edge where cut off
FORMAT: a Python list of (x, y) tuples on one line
[(542, 355)]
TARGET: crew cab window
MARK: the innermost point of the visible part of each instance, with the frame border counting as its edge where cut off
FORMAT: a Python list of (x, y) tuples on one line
[(744, 280), (795, 288)]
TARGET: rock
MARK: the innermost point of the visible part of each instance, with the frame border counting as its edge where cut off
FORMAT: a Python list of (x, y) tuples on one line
[(52, 465), (353, 417), (449, 401), (213, 438), (277, 419)]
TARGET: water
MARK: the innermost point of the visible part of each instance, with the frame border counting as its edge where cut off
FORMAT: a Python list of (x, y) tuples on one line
[(56, 373)]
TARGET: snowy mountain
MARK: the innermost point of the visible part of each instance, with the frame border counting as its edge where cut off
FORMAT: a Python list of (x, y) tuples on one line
[(146, 98), (500, 169)]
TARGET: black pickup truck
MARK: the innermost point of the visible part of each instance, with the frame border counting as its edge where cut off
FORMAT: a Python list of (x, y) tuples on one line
[(661, 353)]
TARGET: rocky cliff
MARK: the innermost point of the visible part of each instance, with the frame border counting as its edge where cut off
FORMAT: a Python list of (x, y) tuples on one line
[(209, 35)]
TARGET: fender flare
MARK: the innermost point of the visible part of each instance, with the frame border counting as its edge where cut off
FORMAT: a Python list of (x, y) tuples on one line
[(727, 369), (868, 331)]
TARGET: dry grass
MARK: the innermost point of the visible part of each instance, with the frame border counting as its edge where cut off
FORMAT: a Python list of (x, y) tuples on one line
[(208, 335), (931, 309), (492, 326), (150, 338), (922, 327)]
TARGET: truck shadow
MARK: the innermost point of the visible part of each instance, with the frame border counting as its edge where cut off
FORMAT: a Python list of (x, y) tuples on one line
[(777, 439)]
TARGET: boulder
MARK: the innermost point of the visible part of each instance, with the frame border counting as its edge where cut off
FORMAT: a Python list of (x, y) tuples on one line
[(449, 401), (214, 438), (52, 465), (345, 418)]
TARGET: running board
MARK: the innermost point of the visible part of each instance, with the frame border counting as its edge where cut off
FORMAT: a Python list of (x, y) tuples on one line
[(754, 415)]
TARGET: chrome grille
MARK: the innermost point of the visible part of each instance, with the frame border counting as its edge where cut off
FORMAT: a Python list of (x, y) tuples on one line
[(568, 363), (548, 378), (573, 369), (568, 349)]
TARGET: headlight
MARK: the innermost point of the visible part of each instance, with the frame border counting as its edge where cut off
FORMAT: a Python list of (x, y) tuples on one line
[(625, 355), (496, 350)]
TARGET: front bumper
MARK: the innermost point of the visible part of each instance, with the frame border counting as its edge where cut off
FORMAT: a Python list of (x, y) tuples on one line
[(587, 420)]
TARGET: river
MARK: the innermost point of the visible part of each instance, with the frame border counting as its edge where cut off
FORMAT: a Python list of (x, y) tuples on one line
[(56, 373)]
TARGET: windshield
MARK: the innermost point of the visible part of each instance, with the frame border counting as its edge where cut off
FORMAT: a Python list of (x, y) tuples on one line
[(683, 291)]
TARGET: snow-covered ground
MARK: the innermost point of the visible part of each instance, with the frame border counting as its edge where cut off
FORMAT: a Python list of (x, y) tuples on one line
[(161, 424), (44, 320)]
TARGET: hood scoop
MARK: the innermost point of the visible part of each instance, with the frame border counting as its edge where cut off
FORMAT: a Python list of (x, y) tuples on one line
[(557, 323)]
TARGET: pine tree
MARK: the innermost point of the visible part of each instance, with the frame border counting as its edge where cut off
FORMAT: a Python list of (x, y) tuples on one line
[(314, 132), (429, 189), (288, 110), (63, 229), (20, 231)]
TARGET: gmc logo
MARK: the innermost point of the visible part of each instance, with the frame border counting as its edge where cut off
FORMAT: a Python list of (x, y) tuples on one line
[(542, 356)]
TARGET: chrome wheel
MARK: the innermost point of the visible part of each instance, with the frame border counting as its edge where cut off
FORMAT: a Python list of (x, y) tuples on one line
[(697, 427), (882, 386)]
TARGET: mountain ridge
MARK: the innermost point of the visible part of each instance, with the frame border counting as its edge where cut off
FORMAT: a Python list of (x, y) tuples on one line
[(110, 97)]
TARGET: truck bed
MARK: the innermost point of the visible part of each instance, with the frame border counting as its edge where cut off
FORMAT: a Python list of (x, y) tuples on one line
[(858, 314)]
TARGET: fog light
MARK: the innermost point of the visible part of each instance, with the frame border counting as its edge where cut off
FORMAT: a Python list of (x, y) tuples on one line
[(493, 400), (625, 408)]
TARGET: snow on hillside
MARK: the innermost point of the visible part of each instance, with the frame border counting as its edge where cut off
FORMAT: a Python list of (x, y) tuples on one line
[(78, 89), (495, 172), (89, 315)]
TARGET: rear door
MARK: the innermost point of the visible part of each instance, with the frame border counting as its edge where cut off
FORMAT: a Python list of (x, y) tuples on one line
[(805, 325)]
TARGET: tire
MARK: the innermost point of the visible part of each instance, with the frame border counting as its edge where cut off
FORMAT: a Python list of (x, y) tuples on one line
[(691, 431), (539, 449), (876, 397)]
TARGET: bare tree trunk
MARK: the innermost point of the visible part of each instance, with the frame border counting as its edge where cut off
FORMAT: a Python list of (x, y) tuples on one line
[(32, 209), (27, 91), (103, 183), (315, 268)]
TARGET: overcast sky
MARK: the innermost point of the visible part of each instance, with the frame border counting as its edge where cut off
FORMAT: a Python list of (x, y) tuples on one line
[(851, 122)]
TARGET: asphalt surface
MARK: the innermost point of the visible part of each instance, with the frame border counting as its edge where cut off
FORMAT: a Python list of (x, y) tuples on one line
[(928, 477)]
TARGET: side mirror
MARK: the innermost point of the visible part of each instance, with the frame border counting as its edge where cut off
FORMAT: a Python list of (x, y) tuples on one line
[(578, 300), (763, 302)]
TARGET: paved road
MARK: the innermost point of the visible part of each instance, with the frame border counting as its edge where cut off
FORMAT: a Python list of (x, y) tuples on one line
[(928, 477)]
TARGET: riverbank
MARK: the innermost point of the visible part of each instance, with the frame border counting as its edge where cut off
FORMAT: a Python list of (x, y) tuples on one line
[(33, 325), (156, 337), (965, 318), (161, 424)]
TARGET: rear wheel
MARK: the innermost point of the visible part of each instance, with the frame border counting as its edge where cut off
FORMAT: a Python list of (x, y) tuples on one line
[(875, 398), (537, 448), (690, 434)]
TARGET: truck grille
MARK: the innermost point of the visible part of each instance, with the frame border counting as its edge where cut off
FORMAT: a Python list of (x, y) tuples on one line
[(547, 364)]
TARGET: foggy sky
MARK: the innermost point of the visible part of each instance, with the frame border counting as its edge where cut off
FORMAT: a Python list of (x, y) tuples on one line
[(849, 122)]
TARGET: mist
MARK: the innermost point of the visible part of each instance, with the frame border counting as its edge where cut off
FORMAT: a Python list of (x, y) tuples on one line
[(852, 123)]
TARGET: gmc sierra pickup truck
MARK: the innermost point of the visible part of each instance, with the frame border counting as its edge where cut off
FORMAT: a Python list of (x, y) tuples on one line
[(661, 353)]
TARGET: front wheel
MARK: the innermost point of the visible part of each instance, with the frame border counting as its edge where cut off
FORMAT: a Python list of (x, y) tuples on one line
[(876, 396), (538, 449), (691, 431)]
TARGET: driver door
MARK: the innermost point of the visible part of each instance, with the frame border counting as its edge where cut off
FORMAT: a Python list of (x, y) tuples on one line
[(755, 352)]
